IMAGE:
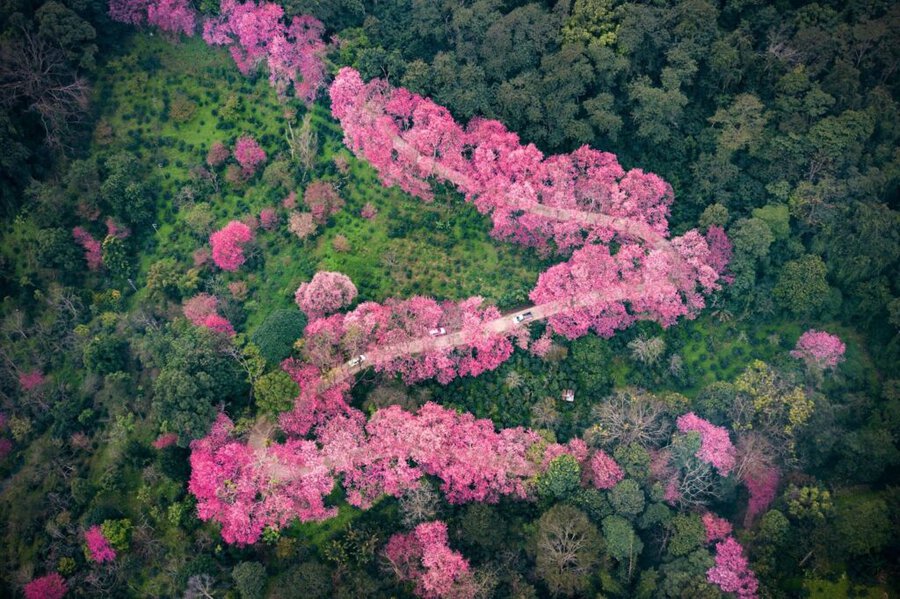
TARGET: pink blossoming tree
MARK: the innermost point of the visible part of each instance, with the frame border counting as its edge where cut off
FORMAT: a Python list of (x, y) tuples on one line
[(29, 381), (424, 557), (98, 547), (731, 572), (605, 472), (218, 154), (715, 444), (325, 293), (51, 586), (249, 154), (247, 489), (228, 245), (92, 250), (819, 350), (716, 528)]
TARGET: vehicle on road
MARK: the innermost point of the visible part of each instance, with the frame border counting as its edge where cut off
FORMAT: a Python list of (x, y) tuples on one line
[(357, 360), (523, 317), (438, 332)]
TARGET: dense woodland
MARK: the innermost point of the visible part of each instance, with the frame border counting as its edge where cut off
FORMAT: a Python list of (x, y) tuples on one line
[(210, 210)]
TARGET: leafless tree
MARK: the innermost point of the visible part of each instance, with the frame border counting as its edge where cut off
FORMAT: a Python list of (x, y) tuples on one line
[(200, 586), (631, 416), (35, 72), (419, 504)]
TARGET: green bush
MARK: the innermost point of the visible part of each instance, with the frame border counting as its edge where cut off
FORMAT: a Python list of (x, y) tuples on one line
[(276, 335)]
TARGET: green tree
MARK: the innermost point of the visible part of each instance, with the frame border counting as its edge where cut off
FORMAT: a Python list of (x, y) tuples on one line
[(801, 287), (275, 392), (561, 479), (276, 335), (105, 354), (688, 534), (250, 579), (196, 377), (622, 543), (627, 498)]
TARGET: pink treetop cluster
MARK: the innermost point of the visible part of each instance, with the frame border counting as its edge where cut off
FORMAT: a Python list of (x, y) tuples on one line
[(323, 200), (731, 572), (716, 528), (424, 557), (268, 218), (395, 338), (113, 229), (315, 404), (249, 154), (715, 444), (98, 546), (257, 32), (248, 489), (390, 453), (29, 381), (569, 199), (228, 245), (368, 211), (327, 292), (819, 349), (172, 16), (605, 472), (762, 483), (218, 154), (51, 586), (200, 310), (92, 251), (166, 440)]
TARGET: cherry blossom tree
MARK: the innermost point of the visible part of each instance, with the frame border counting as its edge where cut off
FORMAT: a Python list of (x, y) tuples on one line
[(50, 586), (325, 293), (605, 472), (228, 245), (731, 572), (302, 224), (98, 547), (257, 33), (248, 489), (29, 381), (762, 483), (819, 350), (424, 557), (368, 211), (716, 528), (715, 444), (268, 218), (218, 154), (249, 154), (172, 16), (323, 200), (165, 440), (200, 310), (92, 249)]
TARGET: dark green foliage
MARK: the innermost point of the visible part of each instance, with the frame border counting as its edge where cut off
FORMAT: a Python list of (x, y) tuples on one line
[(250, 579), (627, 498), (276, 335), (309, 580), (196, 377), (561, 479), (105, 354)]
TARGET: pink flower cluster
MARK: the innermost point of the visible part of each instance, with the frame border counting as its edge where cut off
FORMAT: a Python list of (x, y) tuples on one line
[(395, 338), (368, 211), (98, 546), (819, 349), (715, 444), (166, 440), (200, 310), (268, 218), (51, 586), (228, 245), (29, 381), (92, 252), (255, 33), (424, 557), (325, 293), (762, 483), (247, 489), (731, 572), (716, 528), (172, 16), (605, 472), (249, 154)]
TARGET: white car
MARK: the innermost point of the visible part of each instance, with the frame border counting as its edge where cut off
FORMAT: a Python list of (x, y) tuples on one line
[(357, 360), (523, 317), (438, 332)]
